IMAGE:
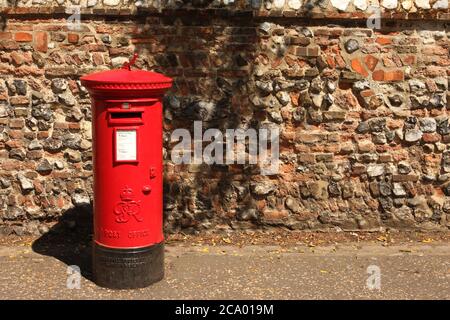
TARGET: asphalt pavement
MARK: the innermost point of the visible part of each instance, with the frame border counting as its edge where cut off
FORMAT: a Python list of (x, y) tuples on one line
[(347, 271)]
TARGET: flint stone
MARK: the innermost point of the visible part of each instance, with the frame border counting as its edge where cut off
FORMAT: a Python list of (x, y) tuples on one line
[(363, 127), (283, 97), (111, 3), (385, 189), (73, 156), (79, 199), (292, 204), (416, 86), (67, 99), (377, 124), (446, 161), (441, 4), (17, 153), (423, 4), (21, 87), (4, 183), (25, 183), (59, 85), (413, 135), (361, 85), (13, 213), (34, 145), (340, 4), (389, 4), (264, 86), (427, 125), (265, 28), (404, 167), (262, 188), (360, 4), (375, 170), (295, 4), (318, 189), (249, 214), (443, 126), (52, 144), (44, 167), (334, 189), (306, 32), (396, 100), (351, 45), (437, 101)]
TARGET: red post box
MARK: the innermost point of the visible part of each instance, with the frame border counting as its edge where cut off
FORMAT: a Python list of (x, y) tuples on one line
[(128, 249)]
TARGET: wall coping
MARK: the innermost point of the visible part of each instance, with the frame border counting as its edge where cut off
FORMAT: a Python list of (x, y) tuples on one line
[(244, 10)]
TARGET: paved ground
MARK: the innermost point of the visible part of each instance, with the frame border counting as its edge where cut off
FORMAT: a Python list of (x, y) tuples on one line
[(408, 271)]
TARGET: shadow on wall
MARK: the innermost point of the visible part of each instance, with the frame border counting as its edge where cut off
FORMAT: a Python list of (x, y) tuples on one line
[(69, 240)]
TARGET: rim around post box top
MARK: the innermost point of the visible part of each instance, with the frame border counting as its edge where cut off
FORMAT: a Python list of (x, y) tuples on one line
[(120, 83)]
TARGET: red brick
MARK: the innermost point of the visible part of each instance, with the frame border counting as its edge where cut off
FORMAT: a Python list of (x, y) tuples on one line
[(367, 93), (13, 144), (73, 38), (60, 125), (43, 134), (434, 50), (313, 52), (301, 51), (359, 68), (431, 137), (371, 62), (383, 41), (308, 52), (275, 214), (396, 75), (378, 75), (15, 134), (74, 126), (19, 100), (340, 62), (294, 98), (5, 36), (408, 60), (97, 59), (19, 58), (17, 123), (41, 41), (330, 61), (23, 37)]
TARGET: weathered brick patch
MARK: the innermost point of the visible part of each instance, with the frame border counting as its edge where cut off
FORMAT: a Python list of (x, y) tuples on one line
[(363, 116)]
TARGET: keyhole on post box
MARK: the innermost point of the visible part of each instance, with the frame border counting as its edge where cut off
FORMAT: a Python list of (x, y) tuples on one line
[(152, 173)]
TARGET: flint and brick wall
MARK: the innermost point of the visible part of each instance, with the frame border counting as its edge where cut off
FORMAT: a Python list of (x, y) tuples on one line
[(363, 114)]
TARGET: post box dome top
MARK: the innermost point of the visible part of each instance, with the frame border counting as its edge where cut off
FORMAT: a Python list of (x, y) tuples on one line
[(124, 80)]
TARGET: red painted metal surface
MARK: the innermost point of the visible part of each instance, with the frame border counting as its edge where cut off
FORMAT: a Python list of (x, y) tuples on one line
[(127, 155)]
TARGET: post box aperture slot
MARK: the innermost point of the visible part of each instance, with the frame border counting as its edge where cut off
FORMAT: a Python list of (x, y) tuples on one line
[(125, 117), (125, 144)]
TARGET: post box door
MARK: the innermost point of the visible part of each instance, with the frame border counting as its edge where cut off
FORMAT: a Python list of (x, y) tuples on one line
[(128, 138)]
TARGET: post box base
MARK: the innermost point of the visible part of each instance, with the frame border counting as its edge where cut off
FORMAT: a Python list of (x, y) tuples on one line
[(128, 268)]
